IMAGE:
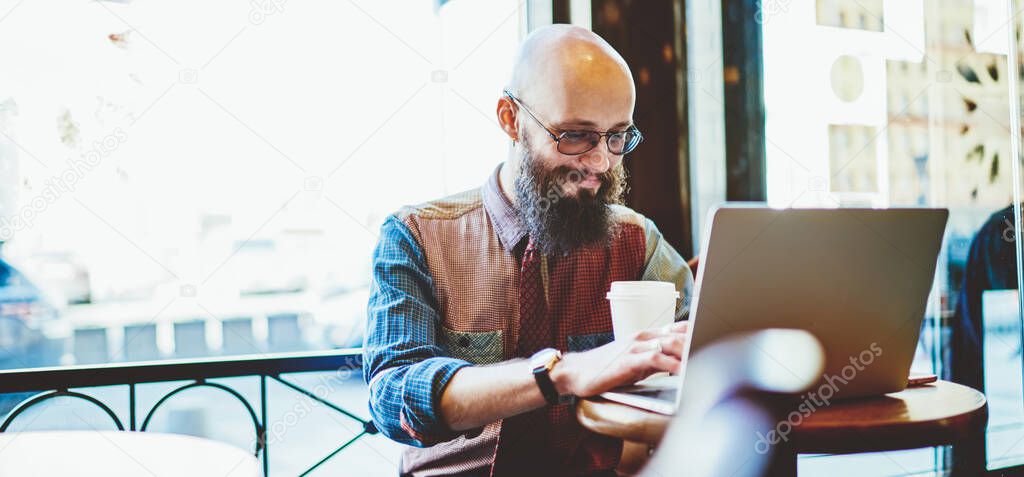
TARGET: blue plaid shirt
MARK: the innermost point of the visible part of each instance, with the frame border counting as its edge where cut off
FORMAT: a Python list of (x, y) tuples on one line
[(402, 362)]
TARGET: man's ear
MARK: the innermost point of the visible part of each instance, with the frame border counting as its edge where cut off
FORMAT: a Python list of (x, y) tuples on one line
[(507, 114)]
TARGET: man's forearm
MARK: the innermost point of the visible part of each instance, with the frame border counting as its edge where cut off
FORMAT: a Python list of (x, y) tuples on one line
[(479, 395)]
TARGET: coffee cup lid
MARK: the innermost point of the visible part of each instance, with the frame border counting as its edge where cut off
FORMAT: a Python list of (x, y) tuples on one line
[(637, 296), (642, 287)]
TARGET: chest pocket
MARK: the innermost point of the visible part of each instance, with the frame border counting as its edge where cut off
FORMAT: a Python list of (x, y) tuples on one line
[(585, 342), (477, 347)]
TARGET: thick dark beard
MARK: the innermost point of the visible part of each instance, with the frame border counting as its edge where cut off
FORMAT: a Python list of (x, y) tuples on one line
[(557, 223)]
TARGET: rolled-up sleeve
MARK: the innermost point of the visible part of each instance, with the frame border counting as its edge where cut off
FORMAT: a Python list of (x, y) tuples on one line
[(404, 366)]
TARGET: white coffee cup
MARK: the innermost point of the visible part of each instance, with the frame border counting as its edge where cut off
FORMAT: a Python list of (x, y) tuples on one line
[(642, 305)]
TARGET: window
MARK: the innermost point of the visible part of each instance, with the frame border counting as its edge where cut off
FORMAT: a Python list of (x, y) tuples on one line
[(936, 134), (195, 178)]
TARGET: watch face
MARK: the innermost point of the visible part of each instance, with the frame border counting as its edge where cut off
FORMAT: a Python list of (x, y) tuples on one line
[(544, 358)]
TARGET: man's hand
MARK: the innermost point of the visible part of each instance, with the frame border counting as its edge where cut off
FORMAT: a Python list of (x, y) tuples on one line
[(478, 395), (621, 362)]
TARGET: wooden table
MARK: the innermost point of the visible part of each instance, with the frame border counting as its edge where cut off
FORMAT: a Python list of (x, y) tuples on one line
[(119, 453), (942, 413)]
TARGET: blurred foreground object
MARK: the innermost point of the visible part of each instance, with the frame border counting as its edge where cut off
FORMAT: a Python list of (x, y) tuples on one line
[(724, 410)]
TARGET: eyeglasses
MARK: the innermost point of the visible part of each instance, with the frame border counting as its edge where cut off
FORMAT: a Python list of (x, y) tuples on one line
[(574, 143)]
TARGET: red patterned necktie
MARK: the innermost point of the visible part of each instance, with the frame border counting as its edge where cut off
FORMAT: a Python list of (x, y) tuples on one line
[(522, 444), (535, 329)]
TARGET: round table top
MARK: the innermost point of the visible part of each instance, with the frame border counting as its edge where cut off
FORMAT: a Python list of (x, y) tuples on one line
[(940, 413), (119, 453)]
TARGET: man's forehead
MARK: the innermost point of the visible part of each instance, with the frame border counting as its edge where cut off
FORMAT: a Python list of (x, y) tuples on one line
[(582, 123), (589, 109)]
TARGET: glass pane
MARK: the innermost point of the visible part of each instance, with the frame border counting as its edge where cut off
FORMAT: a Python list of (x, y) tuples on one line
[(906, 104), (1003, 378), (217, 189), (1002, 309)]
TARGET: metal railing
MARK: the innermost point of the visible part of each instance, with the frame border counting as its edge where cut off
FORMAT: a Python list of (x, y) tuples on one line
[(49, 383)]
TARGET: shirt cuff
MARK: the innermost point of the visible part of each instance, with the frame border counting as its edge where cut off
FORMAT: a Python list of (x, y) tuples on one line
[(421, 414)]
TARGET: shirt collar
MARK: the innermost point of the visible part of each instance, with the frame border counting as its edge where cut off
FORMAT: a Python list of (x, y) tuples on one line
[(504, 215)]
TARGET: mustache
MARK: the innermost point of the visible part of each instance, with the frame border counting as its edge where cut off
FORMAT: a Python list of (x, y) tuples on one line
[(562, 175)]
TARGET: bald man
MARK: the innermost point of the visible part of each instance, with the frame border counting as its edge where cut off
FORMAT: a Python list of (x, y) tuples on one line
[(487, 312)]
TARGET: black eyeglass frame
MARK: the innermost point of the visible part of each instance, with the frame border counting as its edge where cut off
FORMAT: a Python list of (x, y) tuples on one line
[(607, 135)]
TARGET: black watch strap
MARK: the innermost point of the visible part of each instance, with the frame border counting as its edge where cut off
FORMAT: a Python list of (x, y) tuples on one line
[(542, 375), (542, 362)]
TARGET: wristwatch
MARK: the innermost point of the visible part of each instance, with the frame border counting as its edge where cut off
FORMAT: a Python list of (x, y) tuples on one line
[(542, 362)]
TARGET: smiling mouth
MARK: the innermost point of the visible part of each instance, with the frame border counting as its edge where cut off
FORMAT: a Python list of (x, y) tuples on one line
[(590, 182)]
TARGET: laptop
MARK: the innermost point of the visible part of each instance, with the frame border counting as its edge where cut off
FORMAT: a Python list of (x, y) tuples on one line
[(858, 279)]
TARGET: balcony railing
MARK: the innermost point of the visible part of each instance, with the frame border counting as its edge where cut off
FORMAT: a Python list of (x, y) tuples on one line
[(49, 383)]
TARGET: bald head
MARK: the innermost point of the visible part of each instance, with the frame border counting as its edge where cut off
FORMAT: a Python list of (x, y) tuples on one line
[(565, 72), (574, 83)]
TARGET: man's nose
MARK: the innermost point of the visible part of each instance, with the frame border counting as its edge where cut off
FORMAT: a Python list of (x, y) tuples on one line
[(597, 160)]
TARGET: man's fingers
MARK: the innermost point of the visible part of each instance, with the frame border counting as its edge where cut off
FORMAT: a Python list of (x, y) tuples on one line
[(644, 346), (648, 334), (672, 346), (642, 365), (679, 327), (662, 362)]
